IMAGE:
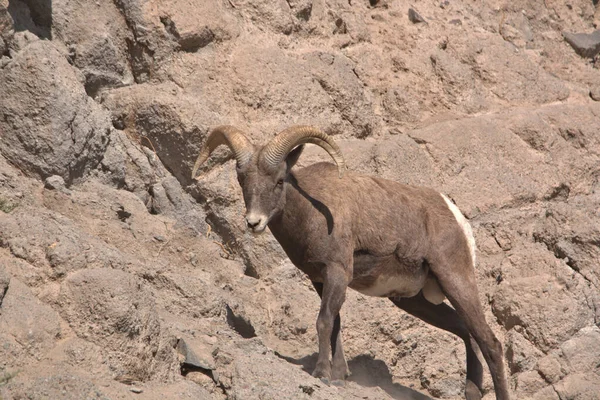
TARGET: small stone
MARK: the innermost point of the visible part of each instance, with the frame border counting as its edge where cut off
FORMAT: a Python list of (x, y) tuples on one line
[(160, 238), (136, 389), (307, 389), (195, 354), (340, 27), (54, 182), (414, 16), (550, 369), (200, 378), (300, 329), (584, 44), (398, 338), (595, 93), (22, 39)]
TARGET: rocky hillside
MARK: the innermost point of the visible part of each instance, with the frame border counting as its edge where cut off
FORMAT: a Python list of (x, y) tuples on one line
[(122, 279)]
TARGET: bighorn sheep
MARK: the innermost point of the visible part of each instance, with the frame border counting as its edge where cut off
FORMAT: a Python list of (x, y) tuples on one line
[(381, 238)]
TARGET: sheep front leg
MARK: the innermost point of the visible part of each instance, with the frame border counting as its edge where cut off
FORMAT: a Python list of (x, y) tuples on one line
[(339, 371), (333, 296)]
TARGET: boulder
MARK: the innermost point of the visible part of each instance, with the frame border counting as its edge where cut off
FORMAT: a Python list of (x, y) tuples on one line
[(28, 327), (51, 126), (114, 310), (585, 44)]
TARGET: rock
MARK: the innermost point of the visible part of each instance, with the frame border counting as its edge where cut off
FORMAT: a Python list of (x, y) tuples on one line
[(58, 386), (582, 352), (550, 369), (135, 255), (337, 78), (20, 40), (55, 129), (98, 46), (400, 106), (579, 386), (520, 353), (585, 44), (527, 305), (150, 114), (595, 93), (28, 328), (53, 244), (55, 182), (529, 382), (274, 16), (237, 320), (196, 354), (461, 87), (196, 27), (251, 380), (6, 22), (4, 281), (19, 17), (547, 393), (414, 16), (527, 82), (129, 329), (574, 243)]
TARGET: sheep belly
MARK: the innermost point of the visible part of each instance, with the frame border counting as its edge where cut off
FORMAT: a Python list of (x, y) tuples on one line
[(391, 286), (386, 277)]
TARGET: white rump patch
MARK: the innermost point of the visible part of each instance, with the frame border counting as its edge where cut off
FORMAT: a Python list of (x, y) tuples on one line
[(464, 224)]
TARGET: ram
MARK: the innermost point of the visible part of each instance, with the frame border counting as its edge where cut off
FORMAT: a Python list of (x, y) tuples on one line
[(379, 237)]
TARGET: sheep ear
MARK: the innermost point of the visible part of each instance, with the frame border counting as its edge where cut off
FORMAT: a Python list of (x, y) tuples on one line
[(293, 157)]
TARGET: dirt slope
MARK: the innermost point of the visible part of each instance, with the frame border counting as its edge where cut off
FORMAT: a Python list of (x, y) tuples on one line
[(122, 279)]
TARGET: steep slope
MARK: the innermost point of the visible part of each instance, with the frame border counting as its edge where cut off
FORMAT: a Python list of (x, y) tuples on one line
[(120, 278)]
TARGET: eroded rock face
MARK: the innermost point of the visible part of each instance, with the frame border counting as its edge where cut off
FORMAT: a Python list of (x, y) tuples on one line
[(112, 309), (50, 126), (29, 327), (112, 258)]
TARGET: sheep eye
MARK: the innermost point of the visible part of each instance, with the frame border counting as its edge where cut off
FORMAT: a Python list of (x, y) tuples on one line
[(280, 182)]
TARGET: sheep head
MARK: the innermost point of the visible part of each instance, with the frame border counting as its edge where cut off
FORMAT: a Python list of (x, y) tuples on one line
[(264, 172)]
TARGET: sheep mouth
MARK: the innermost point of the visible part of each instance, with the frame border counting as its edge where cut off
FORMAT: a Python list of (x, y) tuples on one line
[(257, 230)]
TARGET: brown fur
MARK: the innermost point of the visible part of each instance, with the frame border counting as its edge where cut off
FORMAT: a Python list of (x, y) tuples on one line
[(356, 230)]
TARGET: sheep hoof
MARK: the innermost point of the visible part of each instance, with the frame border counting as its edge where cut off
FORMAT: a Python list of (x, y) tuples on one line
[(472, 392), (338, 383), (325, 380)]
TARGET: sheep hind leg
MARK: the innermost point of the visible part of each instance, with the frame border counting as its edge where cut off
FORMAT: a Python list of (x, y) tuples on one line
[(460, 287), (445, 317), (339, 369)]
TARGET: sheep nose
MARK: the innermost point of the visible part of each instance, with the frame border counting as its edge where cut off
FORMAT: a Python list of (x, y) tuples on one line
[(253, 221)]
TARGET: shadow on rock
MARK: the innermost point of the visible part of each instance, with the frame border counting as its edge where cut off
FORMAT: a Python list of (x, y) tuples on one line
[(32, 15), (307, 362), (366, 372), (369, 372)]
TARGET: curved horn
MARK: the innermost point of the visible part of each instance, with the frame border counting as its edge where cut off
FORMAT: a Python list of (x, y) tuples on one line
[(280, 146), (232, 137)]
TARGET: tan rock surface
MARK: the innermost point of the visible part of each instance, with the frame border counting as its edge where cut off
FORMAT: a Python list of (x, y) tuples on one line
[(102, 279)]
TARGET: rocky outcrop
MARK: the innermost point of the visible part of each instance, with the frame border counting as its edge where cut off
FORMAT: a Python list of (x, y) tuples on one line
[(50, 126), (120, 277)]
